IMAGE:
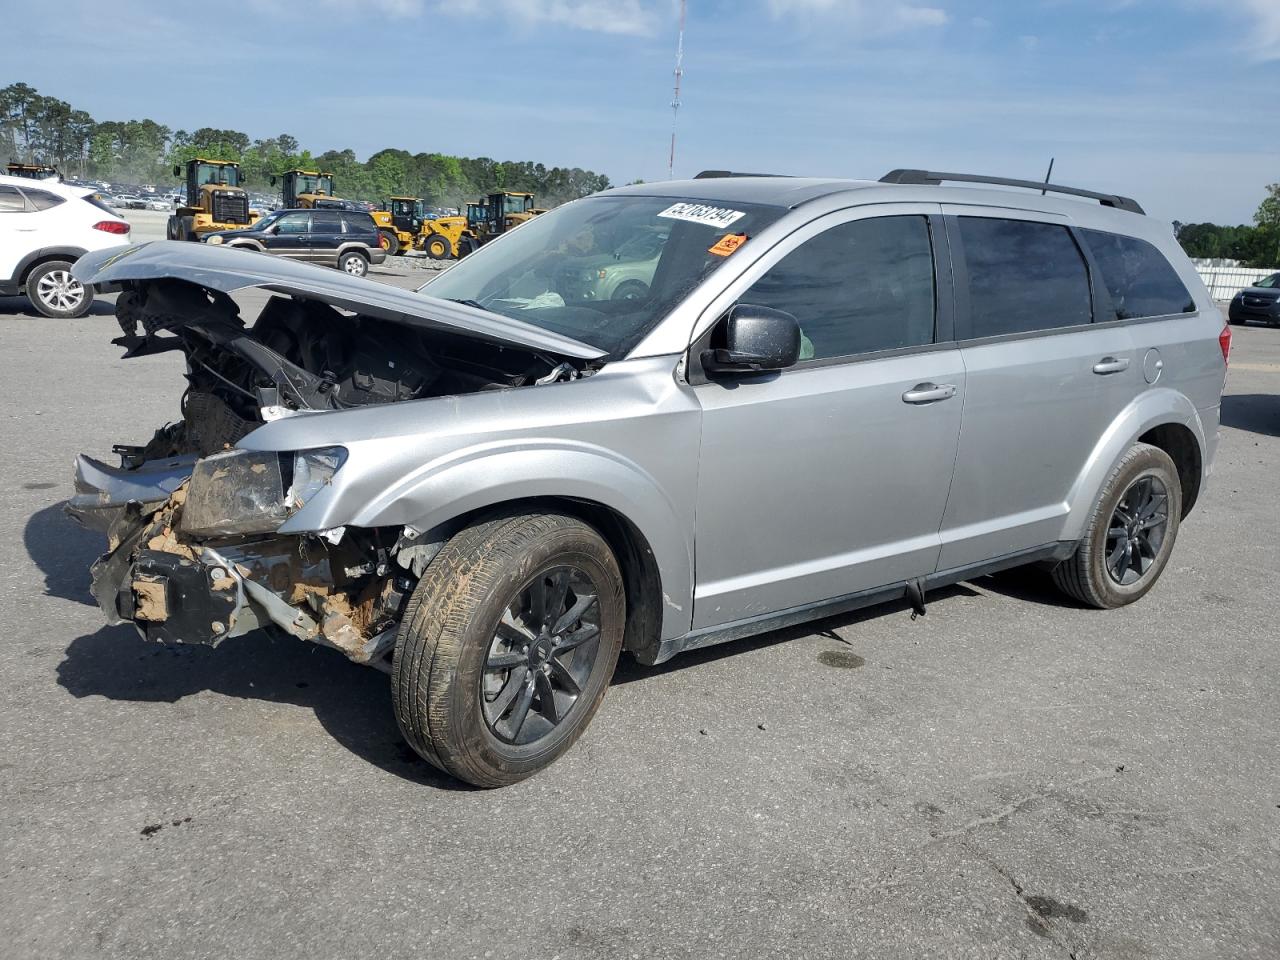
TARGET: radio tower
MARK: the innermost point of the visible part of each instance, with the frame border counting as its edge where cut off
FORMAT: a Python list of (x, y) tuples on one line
[(675, 102)]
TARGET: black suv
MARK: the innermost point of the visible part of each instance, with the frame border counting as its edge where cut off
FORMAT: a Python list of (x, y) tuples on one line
[(346, 239)]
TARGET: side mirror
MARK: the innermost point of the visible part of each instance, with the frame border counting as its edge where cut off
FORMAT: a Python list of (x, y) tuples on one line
[(177, 170), (753, 339)]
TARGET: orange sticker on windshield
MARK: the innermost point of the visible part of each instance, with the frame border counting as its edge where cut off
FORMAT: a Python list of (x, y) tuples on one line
[(727, 244)]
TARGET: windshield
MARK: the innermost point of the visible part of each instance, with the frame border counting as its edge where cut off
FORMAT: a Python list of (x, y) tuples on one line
[(604, 270), (217, 173), (312, 183), (1271, 281), (517, 204), (268, 220)]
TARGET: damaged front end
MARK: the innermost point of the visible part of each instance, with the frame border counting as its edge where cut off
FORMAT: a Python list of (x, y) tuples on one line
[(194, 552)]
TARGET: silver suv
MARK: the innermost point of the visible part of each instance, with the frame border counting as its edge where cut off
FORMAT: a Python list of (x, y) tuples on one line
[(830, 394)]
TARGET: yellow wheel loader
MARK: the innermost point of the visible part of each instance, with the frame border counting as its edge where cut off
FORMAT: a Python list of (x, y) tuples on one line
[(215, 200)]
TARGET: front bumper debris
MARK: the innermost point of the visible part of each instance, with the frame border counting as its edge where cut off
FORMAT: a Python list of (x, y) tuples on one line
[(179, 589)]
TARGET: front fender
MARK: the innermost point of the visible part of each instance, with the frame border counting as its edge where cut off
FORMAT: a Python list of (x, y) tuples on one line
[(497, 472), (1152, 409)]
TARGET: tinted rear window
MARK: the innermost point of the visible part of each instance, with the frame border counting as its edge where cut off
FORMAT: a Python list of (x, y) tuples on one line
[(42, 199), (359, 223), (326, 221), (1141, 282), (1023, 276), (99, 204)]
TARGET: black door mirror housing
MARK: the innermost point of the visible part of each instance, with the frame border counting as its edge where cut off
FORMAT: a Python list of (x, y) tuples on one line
[(753, 339)]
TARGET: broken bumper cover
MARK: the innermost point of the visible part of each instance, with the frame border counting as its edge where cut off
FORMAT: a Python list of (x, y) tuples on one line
[(218, 594), (104, 493)]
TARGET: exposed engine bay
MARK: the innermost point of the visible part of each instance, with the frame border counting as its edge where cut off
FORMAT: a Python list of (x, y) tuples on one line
[(193, 552), (300, 355)]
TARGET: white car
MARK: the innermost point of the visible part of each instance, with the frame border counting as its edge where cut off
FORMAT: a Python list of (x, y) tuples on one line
[(159, 203), (44, 228)]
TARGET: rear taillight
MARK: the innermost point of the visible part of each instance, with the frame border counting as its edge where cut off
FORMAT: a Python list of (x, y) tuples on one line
[(111, 226), (1224, 341)]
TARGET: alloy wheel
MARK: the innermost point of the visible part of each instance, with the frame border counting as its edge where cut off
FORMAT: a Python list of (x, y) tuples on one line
[(59, 290), (542, 653), (1137, 530)]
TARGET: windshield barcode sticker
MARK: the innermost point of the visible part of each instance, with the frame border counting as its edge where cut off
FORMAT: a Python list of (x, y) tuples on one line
[(703, 214)]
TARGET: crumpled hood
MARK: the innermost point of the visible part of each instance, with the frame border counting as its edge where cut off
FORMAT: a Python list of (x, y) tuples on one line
[(226, 270)]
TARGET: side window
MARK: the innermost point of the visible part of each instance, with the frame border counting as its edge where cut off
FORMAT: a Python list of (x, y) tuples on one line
[(11, 200), (358, 224), (42, 199), (294, 223), (859, 287), (326, 221), (1023, 276), (1142, 283)]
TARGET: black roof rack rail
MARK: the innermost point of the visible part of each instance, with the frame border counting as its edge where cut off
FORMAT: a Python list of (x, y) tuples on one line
[(720, 174), (932, 178)]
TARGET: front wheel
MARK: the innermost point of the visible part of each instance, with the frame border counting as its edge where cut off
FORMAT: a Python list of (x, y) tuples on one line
[(1130, 533), (390, 242), (56, 293), (354, 264), (507, 646), (438, 247)]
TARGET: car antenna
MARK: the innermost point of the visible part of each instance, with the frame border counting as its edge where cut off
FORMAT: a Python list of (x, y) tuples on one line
[(1047, 177)]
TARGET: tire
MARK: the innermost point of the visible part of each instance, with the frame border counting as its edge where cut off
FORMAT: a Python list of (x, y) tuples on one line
[(438, 247), (390, 242), (55, 293), (462, 670), (186, 229), (353, 263), (1088, 575), (1236, 321), (631, 290), (171, 228)]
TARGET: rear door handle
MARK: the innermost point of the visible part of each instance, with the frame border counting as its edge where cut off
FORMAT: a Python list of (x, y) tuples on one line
[(929, 393), (1111, 365)]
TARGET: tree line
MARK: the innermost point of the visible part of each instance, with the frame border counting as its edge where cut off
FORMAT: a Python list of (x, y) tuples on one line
[(1256, 245), (35, 128)]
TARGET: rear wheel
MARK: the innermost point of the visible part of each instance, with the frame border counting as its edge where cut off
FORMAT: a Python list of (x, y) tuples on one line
[(171, 228), (390, 242), (353, 263), (56, 293), (438, 247), (507, 646), (1130, 534)]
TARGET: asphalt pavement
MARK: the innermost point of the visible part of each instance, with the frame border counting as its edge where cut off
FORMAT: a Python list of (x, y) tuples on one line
[(1008, 776)]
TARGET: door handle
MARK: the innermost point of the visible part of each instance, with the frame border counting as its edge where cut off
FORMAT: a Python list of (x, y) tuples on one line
[(929, 393), (1111, 365)]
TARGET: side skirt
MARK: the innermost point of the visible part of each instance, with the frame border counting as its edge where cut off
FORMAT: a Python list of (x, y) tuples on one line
[(1049, 553)]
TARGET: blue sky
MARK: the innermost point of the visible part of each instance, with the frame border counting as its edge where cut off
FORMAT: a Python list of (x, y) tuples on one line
[(1171, 101)]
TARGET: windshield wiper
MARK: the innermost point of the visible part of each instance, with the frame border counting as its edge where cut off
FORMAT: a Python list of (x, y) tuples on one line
[(470, 303)]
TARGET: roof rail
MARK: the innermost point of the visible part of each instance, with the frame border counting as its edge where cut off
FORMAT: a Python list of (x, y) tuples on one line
[(720, 174), (931, 178)]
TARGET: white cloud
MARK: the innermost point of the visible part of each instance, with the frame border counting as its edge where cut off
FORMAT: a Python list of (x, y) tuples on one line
[(882, 17), (1265, 41), (634, 17)]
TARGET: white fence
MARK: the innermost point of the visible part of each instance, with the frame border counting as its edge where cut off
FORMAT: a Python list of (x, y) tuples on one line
[(1225, 282)]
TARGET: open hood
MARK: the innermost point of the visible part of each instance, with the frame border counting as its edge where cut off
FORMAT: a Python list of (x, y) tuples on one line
[(227, 270)]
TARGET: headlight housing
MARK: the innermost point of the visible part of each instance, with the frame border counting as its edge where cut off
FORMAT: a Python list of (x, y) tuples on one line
[(253, 491), (214, 240)]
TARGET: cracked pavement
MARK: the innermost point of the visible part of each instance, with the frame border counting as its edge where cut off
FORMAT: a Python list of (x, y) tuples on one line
[(1008, 776)]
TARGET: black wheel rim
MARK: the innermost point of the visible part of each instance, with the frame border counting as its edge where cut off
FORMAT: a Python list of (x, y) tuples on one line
[(543, 651), (1137, 530)]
